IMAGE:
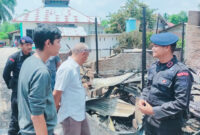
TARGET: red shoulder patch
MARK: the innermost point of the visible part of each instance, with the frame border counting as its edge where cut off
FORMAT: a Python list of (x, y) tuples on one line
[(182, 74), (11, 59)]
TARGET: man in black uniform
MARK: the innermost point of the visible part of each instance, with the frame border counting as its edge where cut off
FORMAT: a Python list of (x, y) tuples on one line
[(166, 98), (10, 75)]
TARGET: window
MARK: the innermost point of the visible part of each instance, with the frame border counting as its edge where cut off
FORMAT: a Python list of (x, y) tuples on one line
[(82, 39), (30, 33), (17, 38)]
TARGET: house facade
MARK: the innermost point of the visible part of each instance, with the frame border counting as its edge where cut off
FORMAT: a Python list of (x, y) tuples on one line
[(74, 25)]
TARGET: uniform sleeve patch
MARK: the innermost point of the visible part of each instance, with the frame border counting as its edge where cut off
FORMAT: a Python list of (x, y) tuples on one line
[(183, 74), (11, 59)]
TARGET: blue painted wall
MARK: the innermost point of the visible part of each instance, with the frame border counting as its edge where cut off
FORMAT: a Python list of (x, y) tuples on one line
[(130, 24), (21, 29)]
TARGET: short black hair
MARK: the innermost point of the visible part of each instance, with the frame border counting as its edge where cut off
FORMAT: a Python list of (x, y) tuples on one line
[(45, 32), (173, 47)]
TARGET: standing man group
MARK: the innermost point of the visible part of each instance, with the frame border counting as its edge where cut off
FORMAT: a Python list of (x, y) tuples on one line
[(165, 101), (11, 74), (37, 111), (70, 94), (32, 83)]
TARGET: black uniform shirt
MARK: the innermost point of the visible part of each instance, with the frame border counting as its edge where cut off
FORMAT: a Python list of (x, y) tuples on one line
[(168, 90), (12, 68)]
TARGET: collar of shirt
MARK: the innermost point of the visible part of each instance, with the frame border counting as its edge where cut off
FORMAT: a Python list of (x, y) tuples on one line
[(169, 64), (24, 56), (74, 63)]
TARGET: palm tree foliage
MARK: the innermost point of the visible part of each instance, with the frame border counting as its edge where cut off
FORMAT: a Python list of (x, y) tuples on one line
[(6, 9)]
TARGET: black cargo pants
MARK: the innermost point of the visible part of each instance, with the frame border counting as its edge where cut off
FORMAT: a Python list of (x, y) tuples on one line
[(166, 127), (14, 126)]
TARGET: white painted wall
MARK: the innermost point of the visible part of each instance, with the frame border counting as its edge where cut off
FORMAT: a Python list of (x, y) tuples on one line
[(27, 25), (105, 41), (71, 41), (90, 28)]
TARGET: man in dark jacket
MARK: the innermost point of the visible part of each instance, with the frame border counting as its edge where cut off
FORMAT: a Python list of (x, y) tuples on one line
[(166, 98), (10, 75)]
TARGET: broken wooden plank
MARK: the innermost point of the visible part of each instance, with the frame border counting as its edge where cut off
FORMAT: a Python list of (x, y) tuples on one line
[(110, 124)]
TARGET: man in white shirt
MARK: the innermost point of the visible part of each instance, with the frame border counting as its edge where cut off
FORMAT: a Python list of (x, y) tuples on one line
[(69, 93)]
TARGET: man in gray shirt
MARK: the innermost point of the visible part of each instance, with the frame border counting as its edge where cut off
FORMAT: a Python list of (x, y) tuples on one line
[(37, 112)]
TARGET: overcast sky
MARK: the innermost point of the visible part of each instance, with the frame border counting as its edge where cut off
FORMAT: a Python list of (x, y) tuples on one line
[(102, 8)]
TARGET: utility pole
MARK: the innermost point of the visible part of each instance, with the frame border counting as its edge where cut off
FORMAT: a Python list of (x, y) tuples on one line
[(144, 47)]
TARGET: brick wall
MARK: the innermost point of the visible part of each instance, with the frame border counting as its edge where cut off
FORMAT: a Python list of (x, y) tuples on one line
[(125, 62)]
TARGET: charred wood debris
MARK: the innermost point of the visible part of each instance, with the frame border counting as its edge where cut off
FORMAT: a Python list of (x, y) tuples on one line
[(111, 103)]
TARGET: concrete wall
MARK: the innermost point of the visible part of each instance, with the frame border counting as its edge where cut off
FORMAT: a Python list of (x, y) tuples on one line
[(192, 49), (125, 62), (90, 28), (71, 41), (105, 42), (27, 25), (194, 18)]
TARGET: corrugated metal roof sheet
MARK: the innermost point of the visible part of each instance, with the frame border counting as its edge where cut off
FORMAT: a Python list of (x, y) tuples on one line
[(55, 15), (73, 31)]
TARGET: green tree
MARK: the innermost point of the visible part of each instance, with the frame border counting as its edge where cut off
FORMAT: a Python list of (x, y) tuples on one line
[(166, 16), (148, 41), (6, 9), (116, 23), (178, 18), (179, 44), (3, 35), (5, 28), (130, 40), (104, 23), (133, 40), (131, 9)]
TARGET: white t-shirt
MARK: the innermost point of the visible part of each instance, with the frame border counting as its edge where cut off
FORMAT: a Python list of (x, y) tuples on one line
[(68, 80)]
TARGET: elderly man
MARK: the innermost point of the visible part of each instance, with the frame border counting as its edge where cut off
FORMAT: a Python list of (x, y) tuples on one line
[(11, 74), (165, 101), (70, 94)]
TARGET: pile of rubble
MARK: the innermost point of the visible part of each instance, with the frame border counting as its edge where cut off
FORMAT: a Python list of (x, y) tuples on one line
[(112, 102), (192, 125), (111, 105)]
